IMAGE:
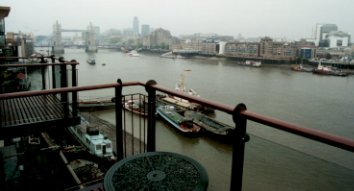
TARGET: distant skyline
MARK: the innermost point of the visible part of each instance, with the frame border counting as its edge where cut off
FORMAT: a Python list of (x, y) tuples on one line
[(287, 19)]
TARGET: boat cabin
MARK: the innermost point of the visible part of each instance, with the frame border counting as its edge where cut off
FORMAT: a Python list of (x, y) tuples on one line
[(90, 136)]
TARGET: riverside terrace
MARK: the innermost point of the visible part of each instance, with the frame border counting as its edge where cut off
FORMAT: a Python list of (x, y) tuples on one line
[(18, 103)]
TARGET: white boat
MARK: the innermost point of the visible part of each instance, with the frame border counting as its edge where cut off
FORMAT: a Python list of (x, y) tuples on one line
[(89, 135), (133, 53), (137, 106), (252, 63), (180, 87), (91, 61)]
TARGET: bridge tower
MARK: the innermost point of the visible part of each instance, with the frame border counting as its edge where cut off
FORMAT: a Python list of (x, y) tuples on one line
[(58, 47), (91, 44)]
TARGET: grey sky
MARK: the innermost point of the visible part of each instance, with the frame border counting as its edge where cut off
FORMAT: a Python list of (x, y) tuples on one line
[(292, 19)]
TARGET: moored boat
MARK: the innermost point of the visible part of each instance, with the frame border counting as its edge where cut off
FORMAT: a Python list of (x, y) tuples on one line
[(252, 63), (91, 61), (170, 114), (180, 87), (133, 53), (301, 68), (96, 103), (211, 125), (89, 135), (327, 70), (136, 106)]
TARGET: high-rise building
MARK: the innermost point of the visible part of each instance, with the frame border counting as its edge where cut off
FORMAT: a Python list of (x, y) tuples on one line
[(322, 30), (136, 26), (145, 30)]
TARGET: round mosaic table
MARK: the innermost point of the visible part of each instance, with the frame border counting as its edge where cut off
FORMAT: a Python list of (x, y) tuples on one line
[(156, 171)]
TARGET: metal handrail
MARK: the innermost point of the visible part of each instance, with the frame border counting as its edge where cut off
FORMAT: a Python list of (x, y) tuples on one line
[(38, 65), (317, 135), (240, 116)]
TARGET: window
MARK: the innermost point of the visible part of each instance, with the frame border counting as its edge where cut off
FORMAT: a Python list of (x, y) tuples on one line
[(98, 147), (339, 42)]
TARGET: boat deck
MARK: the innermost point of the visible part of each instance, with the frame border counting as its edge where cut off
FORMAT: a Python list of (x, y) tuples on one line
[(33, 114)]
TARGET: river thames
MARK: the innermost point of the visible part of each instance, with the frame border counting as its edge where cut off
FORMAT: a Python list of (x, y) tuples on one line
[(274, 160)]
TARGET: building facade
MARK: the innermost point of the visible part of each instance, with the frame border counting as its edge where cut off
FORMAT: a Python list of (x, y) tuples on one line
[(145, 30), (271, 50), (4, 12), (322, 30), (160, 38), (338, 39), (242, 49), (136, 26)]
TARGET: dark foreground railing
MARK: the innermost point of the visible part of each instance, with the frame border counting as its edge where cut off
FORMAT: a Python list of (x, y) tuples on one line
[(240, 116)]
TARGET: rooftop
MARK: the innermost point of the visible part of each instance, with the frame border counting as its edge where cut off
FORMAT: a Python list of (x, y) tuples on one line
[(4, 12)]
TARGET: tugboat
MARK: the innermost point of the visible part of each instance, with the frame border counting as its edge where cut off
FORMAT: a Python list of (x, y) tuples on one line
[(301, 68), (326, 70)]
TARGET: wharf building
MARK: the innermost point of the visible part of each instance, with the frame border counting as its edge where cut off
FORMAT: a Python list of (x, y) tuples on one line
[(158, 39), (266, 49), (203, 47), (204, 44), (242, 49), (306, 50)]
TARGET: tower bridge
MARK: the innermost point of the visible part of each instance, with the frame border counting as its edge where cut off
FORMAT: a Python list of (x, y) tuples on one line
[(89, 35)]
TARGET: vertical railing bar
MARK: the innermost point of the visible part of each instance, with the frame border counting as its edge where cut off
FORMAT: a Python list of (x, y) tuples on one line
[(132, 122), (144, 123), (140, 118), (151, 131), (124, 129), (53, 77), (64, 95), (43, 77), (74, 93), (119, 129), (238, 143)]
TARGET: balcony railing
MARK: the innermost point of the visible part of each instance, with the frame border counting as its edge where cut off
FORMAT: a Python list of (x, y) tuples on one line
[(240, 115)]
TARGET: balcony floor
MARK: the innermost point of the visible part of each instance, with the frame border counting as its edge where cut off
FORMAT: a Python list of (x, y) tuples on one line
[(32, 114)]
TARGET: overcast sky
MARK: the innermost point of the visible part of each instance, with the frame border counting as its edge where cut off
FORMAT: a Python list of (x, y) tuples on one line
[(291, 19)]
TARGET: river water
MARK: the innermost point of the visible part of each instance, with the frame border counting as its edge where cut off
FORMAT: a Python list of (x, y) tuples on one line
[(274, 160)]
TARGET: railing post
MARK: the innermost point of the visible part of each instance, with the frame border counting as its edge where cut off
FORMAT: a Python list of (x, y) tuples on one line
[(74, 93), (54, 84), (151, 131), (43, 77), (119, 119), (64, 83), (239, 139)]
